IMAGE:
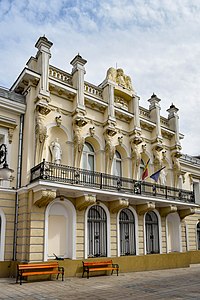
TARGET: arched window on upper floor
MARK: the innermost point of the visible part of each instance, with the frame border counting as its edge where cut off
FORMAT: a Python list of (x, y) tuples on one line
[(88, 158), (117, 170)]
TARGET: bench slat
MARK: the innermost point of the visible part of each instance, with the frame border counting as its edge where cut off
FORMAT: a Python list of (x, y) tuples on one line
[(101, 269), (39, 273), (37, 267)]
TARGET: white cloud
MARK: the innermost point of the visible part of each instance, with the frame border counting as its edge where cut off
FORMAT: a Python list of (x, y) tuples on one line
[(155, 42)]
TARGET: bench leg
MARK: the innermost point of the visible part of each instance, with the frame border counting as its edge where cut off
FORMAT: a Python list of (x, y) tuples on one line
[(20, 280), (87, 274)]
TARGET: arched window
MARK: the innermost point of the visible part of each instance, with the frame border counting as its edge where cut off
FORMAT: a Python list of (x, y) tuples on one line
[(127, 232), (117, 164), (88, 158), (60, 230), (152, 233), (97, 232), (198, 236)]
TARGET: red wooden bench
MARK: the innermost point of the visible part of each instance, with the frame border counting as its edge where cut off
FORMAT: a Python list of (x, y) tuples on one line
[(24, 270), (99, 266)]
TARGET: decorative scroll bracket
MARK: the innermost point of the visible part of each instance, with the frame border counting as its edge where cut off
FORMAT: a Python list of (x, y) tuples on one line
[(186, 212), (144, 208), (116, 205), (84, 201), (43, 197), (164, 211)]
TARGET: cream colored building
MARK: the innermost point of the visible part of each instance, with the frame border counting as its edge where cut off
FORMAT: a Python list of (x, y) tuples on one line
[(78, 152)]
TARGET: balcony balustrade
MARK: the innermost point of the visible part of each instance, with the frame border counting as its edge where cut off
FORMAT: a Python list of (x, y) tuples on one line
[(80, 177)]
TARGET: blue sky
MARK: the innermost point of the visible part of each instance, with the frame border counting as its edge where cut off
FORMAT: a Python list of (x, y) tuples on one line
[(156, 42)]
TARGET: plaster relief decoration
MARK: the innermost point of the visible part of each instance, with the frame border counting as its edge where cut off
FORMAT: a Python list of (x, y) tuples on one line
[(92, 131), (109, 150), (120, 140), (79, 140), (157, 158), (118, 76), (136, 137), (56, 151), (177, 167), (40, 129), (58, 120), (136, 160), (10, 135), (121, 103)]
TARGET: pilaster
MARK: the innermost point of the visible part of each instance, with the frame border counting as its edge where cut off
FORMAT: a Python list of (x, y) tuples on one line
[(43, 45), (154, 109), (78, 73)]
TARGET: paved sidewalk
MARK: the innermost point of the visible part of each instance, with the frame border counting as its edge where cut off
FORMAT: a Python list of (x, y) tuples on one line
[(164, 284)]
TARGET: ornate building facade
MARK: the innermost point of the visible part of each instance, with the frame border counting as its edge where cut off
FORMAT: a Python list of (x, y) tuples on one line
[(78, 152)]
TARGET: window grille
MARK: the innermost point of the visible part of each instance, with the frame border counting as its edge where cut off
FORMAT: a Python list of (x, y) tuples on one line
[(152, 233), (97, 232), (127, 232)]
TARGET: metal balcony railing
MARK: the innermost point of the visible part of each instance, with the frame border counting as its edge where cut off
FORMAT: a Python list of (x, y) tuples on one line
[(80, 177)]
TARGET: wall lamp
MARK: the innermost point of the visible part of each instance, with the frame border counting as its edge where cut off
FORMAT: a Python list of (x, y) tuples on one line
[(5, 172)]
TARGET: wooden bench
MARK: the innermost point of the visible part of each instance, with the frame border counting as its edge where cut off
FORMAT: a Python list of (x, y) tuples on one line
[(24, 270), (99, 266)]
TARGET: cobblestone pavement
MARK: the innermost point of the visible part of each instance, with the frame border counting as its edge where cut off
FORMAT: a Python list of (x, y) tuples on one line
[(163, 284)]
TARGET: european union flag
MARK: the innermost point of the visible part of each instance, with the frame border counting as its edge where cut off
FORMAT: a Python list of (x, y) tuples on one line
[(155, 175)]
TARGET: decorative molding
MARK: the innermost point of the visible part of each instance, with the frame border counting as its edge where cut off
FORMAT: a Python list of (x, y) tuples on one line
[(116, 205), (164, 211), (143, 208), (84, 201), (58, 120), (43, 197)]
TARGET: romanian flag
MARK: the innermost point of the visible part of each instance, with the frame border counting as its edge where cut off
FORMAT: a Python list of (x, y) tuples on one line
[(155, 175), (145, 173)]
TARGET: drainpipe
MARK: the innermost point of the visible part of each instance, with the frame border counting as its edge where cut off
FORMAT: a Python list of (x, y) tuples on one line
[(18, 185)]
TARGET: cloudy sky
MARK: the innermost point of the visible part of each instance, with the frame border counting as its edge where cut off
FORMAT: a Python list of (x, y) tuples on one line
[(156, 42)]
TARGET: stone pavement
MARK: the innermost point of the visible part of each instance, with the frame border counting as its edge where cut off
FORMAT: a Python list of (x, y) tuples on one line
[(163, 284)]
